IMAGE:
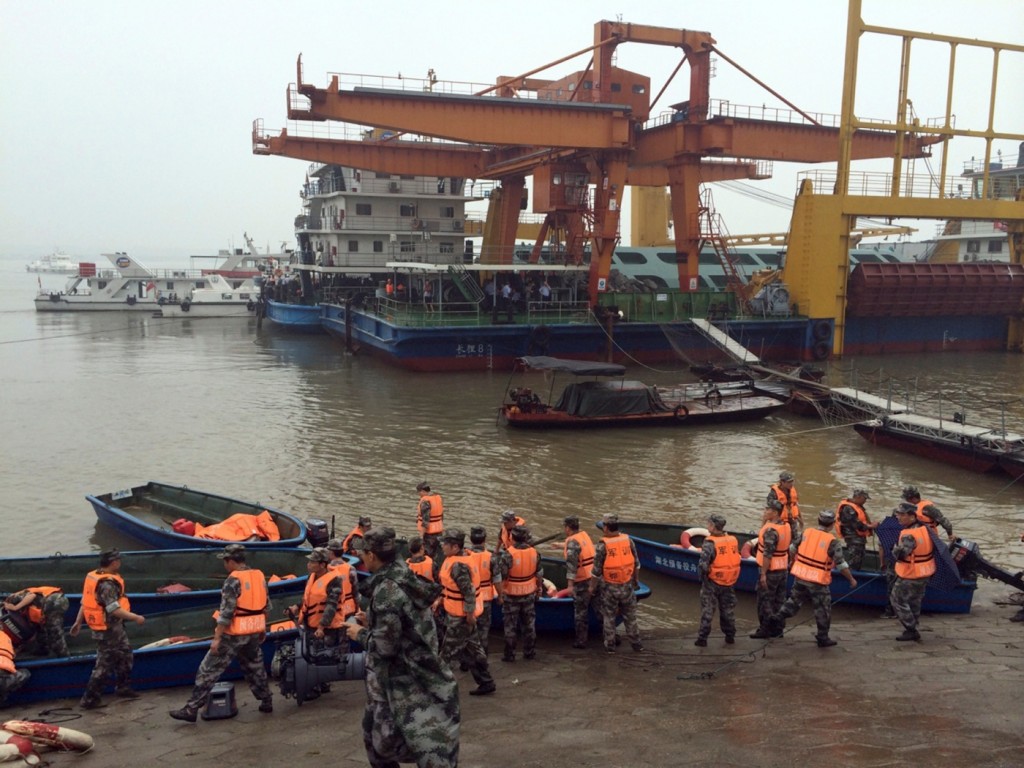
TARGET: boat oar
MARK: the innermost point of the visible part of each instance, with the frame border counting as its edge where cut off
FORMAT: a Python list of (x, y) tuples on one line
[(547, 539)]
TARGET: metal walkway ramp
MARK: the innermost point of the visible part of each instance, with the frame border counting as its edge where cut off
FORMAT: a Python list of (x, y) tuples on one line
[(466, 284), (723, 341)]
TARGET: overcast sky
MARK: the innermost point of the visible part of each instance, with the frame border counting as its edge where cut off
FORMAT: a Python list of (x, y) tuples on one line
[(126, 124)]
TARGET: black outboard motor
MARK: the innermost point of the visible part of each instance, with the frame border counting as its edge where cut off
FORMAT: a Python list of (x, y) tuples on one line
[(17, 627), (303, 666), (316, 532), (968, 559)]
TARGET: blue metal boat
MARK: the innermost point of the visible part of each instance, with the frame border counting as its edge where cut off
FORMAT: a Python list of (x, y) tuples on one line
[(659, 548), (148, 512), (302, 318)]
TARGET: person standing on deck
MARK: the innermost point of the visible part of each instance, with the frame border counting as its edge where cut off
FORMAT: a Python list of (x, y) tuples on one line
[(239, 633), (509, 520), (491, 586), (104, 609), (773, 564), (719, 569), (523, 579), (429, 518), (616, 573), (420, 562), (44, 608), (926, 511), (914, 560), (785, 493), (579, 565), (326, 604), (854, 526)]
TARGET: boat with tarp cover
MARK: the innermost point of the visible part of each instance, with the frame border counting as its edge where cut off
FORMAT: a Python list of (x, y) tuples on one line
[(610, 400)]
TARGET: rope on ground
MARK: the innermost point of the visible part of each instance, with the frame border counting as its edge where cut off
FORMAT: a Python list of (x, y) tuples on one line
[(57, 715)]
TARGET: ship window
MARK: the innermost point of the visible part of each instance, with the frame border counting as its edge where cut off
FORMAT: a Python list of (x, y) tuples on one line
[(974, 246), (719, 281), (353, 246), (378, 246), (708, 259), (364, 209), (771, 259), (103, 283), (639, 88), (630, 257), (169, 285), (244, 296), (200, 283), (995, 246), (447, 247), (226, 297), (588, 85), (406, 177), (408, 246), (379, 175), (746, 259), (672, 258), (657, 281), (407, 210), (616, 87), (447, 211)]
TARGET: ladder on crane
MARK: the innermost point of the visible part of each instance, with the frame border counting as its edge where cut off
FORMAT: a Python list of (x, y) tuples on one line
[(467, 286), (713, 232)]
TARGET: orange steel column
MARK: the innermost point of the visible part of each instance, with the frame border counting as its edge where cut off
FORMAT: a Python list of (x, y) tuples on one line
[(610, 175), (684, 182)]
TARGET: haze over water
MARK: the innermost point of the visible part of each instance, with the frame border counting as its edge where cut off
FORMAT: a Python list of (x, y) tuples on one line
[(98, 402)]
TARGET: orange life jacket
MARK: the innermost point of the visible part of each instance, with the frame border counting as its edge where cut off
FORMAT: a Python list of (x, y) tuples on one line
[(922, 517), (423, 568), (6, 653), (348, 595), (921, 563), (862, 516), (790, 505), (434, 523), (812, 562), (96, 614), (250, 612), (725, 568), (454, 604), (780, 557), (483, 561), (240, 527), (505, 534), (357, 531), (586, 564), (522, 574), (314, 602), (619, 563), (34, 611)]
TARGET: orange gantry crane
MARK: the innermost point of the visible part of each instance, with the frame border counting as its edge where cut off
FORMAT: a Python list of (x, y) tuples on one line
[(589, 130)]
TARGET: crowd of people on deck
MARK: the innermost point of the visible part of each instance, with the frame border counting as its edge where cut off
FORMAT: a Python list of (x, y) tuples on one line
[(422, 618)]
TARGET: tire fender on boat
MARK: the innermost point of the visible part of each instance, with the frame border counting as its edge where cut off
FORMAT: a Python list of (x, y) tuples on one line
[(821, 350), (540, 336), (822, 330), (687, 536), (186, 305), (681, 412), (50, 735), (714, 397), (251, 305)]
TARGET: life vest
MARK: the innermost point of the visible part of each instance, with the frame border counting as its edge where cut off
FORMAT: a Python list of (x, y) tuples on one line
[(434, 523), (423, 568), (250, 611), (6, 653), (522, 574), (357, 531), (483, 561), (454, 604), (96, 614), (348, 596), (725, 568), (619, 563), (922, 518), (586, 564), (15, 624), (812, 562), (862, 516), (33, 611), (921, 562), (790, 505), (505, 534), (241, 527), (780, 557), (314, 602)]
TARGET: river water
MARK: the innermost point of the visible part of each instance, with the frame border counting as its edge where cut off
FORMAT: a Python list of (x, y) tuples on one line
[(98, 402)]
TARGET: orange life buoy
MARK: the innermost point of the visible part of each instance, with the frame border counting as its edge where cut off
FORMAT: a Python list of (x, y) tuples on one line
[(686, 537)]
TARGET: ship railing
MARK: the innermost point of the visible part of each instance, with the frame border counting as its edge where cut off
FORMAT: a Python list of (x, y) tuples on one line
[(759, 112), (879, 184)]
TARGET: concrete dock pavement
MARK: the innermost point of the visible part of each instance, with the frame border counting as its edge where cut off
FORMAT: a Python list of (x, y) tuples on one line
[(953, 699)]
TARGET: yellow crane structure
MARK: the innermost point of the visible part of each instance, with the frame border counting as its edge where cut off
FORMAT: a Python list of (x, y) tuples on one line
[(583, 138)]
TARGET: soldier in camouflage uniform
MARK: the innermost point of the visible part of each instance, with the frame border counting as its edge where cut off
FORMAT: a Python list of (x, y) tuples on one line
[(814, 553), (11, 678), (489, 564), (45, 607), (460, 581), (412, 699), (772, 550), (616, 574), (239, 611), (317, 619), (105, 609), (579, 563), (853, 529), (718, 569), (913, 568), (523, 579)]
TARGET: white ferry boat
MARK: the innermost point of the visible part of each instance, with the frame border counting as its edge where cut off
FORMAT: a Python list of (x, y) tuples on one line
[(56, 263)]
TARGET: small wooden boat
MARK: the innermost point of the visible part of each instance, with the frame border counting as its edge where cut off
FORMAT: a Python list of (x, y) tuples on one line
[(178, 640), (147, 572), (618, 403), (659, 548), (556, 614), (148, 512)]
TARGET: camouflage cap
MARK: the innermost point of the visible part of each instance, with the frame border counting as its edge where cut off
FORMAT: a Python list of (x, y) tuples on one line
[(718, 521), (365, 522), (424, 486), (610, 517), (786, 477), (453, 536), (378, 541), (107, 556), (859, 492), (520, 533), (336, 545), (508, 516), (573, 521), (910, 492), (905, 509), (232, 552), (827, 517), (319, 555)]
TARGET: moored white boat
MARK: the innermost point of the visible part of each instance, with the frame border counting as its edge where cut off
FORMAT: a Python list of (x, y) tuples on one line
[(56, 263)]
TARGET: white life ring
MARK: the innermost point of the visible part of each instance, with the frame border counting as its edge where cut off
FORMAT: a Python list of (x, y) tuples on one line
[(15, 747), (50, 735), (175, 640), (686, 536)]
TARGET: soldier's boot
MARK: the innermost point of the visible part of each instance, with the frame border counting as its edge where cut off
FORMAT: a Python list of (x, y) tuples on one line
[(777, 627), (1018, 616), (127, 692), (760, 634), (185, 713), (825, 642), (510, 653), (637, 646), (484, 689), (701, 641), (267, 704), (530, 654), (90, 702), (730, 639), (889, 612), (908, 635), (582, 644)]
